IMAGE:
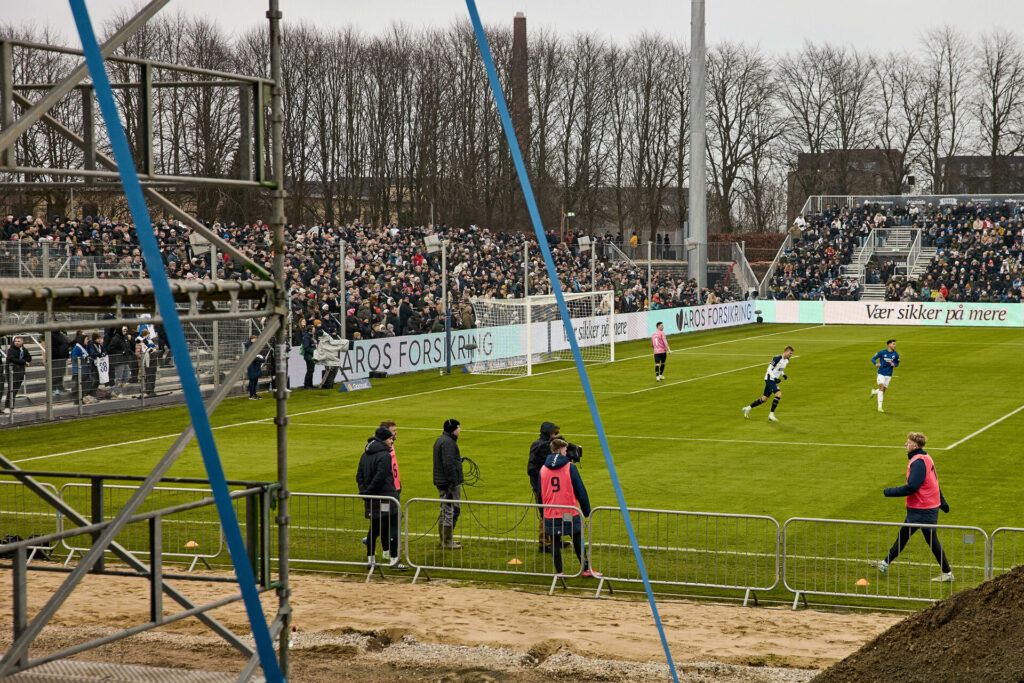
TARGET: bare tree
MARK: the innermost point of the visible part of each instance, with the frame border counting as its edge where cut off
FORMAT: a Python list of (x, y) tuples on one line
[(902, 95), (742, 122), (1000, 110), (802, 86), (848, 74), (946, 71)]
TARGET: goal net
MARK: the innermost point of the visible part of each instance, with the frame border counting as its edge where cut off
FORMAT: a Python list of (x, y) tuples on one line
[(513, 335)]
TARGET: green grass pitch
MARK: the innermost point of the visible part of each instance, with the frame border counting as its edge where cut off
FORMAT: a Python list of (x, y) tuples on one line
[(681, 444)]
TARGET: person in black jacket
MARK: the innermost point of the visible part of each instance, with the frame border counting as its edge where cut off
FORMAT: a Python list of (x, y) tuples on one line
[(61, 350), (376, 478), (120, 351), (252, 373), (18, 358), (448, 480), (539, 452)]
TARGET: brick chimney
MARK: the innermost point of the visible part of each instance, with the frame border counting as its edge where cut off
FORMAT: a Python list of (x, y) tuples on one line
[(520, 86)]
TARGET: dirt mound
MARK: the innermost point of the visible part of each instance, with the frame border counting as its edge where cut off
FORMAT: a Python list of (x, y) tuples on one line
[(975, 635)]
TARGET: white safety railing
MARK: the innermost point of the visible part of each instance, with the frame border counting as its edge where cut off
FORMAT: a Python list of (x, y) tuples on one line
[(735, 552), (838, 557), (194, 535), (744, 273), (332, 530), (915, 251), (786, 245), (495, 538), (24, 514), (613, 253), (1006, 550)]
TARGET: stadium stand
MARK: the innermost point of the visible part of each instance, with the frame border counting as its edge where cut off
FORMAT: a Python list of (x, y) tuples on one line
[(393, 286), (978, 250)]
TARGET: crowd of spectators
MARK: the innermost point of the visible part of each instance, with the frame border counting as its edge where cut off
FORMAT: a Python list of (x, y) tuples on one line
[(979, 254), (980, 248), (822, 243), (393, 286)]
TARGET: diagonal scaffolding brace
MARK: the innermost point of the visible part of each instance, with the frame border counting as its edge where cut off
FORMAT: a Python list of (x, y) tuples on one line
[(20, 646), (36, 111), (160, 199)]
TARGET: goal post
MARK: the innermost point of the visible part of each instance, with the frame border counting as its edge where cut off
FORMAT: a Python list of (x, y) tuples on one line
[(513, 335)]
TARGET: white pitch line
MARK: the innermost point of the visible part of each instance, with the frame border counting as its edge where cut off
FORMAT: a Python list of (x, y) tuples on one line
[(128, 443), (393, 398), (544, 391), (990, 424), (610, 436), (694, 379)]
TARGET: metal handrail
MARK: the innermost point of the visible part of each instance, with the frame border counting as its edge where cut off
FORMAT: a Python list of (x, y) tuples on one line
[(787, 244), (619, 255), (915, 251), (746, 273)]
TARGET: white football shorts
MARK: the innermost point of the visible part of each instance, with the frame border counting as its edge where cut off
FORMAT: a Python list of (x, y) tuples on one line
[(884, 380)]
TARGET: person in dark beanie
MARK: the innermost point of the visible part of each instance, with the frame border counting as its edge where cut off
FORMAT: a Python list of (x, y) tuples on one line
[(448, 480), (252, 373), (376, 478), (539, 452)]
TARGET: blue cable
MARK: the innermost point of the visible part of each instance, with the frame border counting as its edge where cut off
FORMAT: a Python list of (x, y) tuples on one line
[(531, 205), (176, 340)]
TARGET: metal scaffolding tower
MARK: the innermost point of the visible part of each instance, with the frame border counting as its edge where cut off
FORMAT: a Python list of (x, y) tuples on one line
[(257, 96)]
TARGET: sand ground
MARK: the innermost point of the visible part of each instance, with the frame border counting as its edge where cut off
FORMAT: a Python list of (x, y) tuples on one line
[(346, 630)]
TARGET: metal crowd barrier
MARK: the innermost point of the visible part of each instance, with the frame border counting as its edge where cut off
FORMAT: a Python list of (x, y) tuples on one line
[(1006, 550), (687, 549), (194, 534), (333, 529), (836, 557), (496, 538), (24, 514)]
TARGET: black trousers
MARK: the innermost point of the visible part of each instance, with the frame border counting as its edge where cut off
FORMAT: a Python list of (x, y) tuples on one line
[(930, 536), (307, 383), (15, 378), (253, 381), (57, 370), (383, 525)]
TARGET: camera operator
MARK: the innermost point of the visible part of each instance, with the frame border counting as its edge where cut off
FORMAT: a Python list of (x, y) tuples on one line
[(561, 484), (539, 452)]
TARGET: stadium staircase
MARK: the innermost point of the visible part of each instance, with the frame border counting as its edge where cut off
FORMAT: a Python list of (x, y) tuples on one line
[(873, 293), (920, 265)]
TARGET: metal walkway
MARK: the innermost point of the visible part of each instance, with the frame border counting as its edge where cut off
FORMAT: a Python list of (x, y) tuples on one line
[(100, 672)]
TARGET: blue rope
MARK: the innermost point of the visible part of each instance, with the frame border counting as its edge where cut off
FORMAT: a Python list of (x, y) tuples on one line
[(176, 340), (531, 205)]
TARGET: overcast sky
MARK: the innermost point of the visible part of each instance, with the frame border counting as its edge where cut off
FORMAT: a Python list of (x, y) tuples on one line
[(777, 25)]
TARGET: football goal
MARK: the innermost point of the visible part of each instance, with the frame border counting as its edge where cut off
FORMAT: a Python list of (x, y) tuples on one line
[(513, 335)]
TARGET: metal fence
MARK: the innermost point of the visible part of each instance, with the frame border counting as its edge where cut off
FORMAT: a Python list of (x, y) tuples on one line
[(68, 260), (751, 553), (837, 557), (214, 346), (1006, 550), (496, 538), (24, 514), (194, 535), (687, 549), (333, 530)]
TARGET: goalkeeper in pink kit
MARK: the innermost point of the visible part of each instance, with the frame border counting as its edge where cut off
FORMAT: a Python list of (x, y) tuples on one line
[(660, 344)]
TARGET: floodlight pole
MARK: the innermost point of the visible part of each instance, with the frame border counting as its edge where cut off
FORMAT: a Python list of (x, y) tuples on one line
[(444, 307), (341, 288), (281, 313), (696, 258), (593, 267), (526, 269), (648, 275)]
